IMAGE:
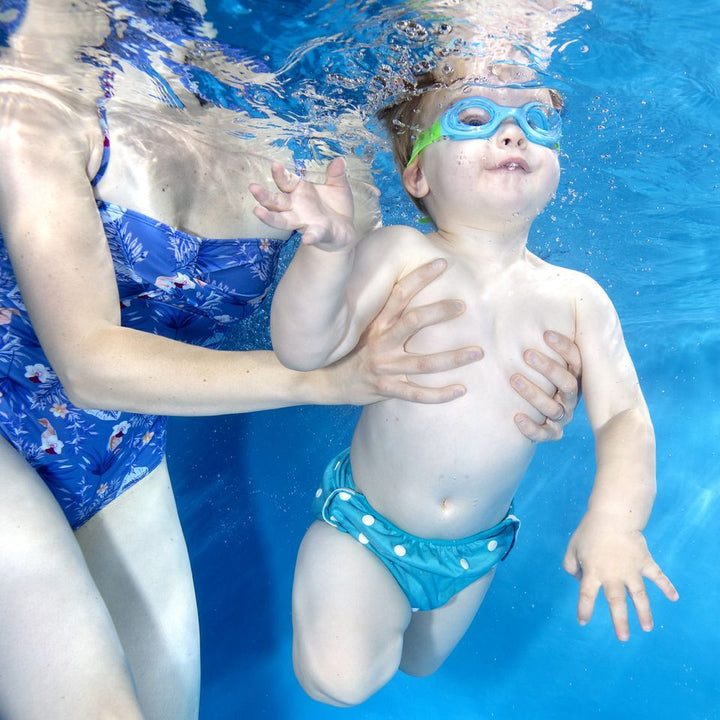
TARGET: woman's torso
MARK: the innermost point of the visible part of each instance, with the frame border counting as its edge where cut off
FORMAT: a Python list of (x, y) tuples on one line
[(169, 200)]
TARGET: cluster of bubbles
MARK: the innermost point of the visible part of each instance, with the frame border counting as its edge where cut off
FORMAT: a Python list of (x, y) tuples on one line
[(322, 78)]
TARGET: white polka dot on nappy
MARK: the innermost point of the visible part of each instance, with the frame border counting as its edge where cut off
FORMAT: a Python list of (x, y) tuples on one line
[(362, 539), (464, 564), (400, 551), (344, 496), (492, 545), (318, 492), (368, 520)]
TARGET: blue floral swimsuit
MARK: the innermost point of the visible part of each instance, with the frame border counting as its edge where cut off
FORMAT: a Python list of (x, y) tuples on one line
[(172, 284)]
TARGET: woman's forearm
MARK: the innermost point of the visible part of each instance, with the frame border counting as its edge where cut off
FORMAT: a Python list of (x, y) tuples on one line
[(138, 372)]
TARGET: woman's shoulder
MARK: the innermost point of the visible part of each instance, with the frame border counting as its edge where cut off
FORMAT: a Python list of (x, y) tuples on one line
[(31, 107)]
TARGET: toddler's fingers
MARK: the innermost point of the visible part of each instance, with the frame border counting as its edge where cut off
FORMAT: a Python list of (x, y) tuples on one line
[(335, 173), (586, 600), (277, 220), (276, 202), (641, 601), (617, 602), (657, 576), (285, 180), (571, 565), (308, 238)]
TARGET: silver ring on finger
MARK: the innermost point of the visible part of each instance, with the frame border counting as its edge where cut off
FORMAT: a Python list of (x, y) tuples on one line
[(561, 416)]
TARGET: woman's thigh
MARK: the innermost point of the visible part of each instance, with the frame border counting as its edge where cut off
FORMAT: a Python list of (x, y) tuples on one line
[(136, 552), (60, 655)]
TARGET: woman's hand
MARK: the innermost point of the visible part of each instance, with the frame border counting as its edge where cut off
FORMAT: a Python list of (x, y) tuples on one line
[(380, 367), (558, 408)]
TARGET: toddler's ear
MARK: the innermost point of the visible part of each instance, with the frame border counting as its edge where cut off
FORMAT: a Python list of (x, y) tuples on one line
[(413, 180)]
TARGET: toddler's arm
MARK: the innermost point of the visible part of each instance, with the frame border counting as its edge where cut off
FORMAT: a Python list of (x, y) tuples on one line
[(608, 549), (319, 310)]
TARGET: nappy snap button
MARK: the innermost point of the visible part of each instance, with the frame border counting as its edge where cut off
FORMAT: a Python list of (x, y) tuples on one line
[(362, 539), (400, 551), (464, 564), (344, 496), (492, 545), (368, 520), (318, 492)]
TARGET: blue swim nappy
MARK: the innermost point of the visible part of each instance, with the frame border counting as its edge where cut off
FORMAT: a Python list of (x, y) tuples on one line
[(429, 571)]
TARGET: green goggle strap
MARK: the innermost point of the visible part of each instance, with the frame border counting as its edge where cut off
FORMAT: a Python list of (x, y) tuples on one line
[(425, 138)]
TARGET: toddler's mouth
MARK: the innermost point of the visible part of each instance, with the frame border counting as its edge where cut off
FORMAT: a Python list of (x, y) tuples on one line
[(514, 164)]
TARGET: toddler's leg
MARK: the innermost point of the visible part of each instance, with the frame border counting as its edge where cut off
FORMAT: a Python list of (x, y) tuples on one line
[(349, 616), (433, 635)]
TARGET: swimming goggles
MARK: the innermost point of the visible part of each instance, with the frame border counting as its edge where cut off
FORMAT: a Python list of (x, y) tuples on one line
[(476, 118)]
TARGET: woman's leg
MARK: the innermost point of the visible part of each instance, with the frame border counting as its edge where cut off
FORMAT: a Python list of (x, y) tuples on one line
[(137, 555), (60, 656)]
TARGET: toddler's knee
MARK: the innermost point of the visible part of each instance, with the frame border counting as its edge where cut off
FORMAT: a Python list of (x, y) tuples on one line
[(337, 688), (341, 681)]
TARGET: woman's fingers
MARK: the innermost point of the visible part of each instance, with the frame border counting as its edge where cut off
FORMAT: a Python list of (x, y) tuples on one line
[(548, 406), (408, 287), (567, 350), (393, 386), (538, 432)]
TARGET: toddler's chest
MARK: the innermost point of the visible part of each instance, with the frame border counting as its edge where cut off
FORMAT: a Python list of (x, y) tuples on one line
[(504, 316)]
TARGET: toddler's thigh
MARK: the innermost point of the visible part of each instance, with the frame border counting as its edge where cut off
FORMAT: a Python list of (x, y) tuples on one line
[(60, 656), (349, 616), (432, 635)]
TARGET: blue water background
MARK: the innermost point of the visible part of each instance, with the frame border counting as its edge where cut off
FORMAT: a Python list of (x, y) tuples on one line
[(638, 209)]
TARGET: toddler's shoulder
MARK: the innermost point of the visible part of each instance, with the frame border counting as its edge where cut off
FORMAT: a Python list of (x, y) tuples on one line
[(392, 241), (574, 282)]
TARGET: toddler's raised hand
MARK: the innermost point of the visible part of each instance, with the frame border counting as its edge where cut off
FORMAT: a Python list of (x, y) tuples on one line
[(323, 214)]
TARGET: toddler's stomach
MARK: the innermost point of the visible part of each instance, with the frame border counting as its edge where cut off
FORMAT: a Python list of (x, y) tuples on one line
[(440, 471)]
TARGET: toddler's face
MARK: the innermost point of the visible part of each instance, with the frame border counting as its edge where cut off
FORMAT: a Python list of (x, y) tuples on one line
[(505, 175)]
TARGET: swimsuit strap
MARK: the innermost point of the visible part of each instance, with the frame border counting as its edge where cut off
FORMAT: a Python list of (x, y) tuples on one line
[(106, 82)]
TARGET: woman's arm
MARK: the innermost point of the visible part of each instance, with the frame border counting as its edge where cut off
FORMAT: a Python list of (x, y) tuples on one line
[(61, 258)]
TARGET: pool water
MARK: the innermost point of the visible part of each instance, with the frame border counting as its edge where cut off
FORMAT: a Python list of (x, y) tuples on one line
[(638, 209)]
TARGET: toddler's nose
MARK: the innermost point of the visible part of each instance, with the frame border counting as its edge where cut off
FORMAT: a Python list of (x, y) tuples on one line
[(509, 133)]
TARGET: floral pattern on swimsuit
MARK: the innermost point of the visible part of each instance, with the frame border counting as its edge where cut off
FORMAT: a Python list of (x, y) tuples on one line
[(170, 283)]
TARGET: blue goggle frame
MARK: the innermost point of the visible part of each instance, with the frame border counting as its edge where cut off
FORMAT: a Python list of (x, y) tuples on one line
[(539, 122)]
